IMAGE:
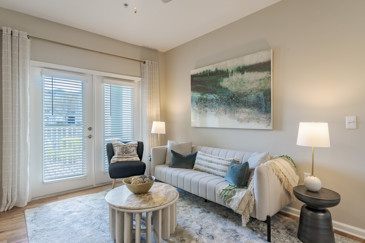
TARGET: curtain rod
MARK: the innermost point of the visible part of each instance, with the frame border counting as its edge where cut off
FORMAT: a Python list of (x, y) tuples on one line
[(82, 48)]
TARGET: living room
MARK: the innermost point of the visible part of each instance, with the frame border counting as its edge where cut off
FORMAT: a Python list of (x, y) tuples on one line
[(316, 78)]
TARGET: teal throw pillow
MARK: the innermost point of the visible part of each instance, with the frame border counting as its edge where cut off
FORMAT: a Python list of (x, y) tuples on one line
[(182, 161), (238, 174)]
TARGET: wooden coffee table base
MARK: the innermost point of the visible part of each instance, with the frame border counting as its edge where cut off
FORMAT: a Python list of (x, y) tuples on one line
[(157, 207), (161, 222)]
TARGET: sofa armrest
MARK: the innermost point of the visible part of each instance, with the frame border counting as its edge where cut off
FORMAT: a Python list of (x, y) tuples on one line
[(270, 194), (158, 157)]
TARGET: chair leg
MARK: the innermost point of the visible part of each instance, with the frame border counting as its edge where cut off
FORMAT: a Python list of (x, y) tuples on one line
[(268, 222), (113, 183)]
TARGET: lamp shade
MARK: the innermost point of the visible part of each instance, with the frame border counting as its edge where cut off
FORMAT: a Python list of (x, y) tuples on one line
[(158, 127), (313, 134)]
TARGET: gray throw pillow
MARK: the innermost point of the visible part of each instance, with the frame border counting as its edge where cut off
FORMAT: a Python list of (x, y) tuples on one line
[(258, 158)]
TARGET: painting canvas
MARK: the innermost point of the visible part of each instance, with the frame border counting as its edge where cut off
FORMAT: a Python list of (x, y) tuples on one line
[(233, 94)]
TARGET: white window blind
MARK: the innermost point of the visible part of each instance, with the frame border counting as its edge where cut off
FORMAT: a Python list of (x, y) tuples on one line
[(119, 119), (63, 127)]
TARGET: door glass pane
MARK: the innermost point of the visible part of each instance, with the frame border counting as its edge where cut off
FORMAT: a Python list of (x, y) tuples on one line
[(63, 128), (118, 115)]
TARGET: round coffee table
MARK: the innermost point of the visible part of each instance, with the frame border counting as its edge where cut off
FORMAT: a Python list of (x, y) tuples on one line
[(315, 223), (159, 206)]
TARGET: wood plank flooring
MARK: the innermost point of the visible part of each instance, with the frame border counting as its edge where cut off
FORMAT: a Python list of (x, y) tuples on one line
[(12, 222)]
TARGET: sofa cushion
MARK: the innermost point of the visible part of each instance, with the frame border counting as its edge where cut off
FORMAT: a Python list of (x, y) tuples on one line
[(212, 164), (196, 182), (126, 169), (181, 148), (182, 161), (238, 174)]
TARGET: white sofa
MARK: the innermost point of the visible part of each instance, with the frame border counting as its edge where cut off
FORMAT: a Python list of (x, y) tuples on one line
[(270, 195)]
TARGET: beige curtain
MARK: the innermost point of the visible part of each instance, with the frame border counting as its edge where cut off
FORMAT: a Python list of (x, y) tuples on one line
[(150, 86), (14, 119)]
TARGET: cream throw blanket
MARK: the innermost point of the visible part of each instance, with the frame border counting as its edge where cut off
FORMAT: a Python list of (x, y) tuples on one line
[(242, 200)]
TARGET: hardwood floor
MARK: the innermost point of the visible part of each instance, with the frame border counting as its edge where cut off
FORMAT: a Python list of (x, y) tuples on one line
[(12, 222)]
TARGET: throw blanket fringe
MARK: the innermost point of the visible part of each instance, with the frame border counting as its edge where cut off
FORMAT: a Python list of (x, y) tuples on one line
[(286, 174), (242, 200)]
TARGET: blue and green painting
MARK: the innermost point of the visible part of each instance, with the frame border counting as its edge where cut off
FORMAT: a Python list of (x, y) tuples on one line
[(233, 94)]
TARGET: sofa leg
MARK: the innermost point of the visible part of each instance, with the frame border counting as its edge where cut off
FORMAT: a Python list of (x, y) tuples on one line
[(268, 223), (113, 183)]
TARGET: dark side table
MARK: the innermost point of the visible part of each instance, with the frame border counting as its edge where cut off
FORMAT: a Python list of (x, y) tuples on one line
[(315, 223)]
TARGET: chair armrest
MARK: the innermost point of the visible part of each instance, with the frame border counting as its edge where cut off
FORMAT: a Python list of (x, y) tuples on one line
[(158, 157), (270, 194)]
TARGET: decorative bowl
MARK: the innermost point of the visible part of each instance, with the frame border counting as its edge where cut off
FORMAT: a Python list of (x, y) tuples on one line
[(139, 188)]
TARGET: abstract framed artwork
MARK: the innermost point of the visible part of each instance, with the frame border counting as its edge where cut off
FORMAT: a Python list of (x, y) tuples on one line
[(234, 94)]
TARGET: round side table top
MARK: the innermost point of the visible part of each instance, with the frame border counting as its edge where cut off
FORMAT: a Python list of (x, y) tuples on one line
[(160, 195), (324, 198)]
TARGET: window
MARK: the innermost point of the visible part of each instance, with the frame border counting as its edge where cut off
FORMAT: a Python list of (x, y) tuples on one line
[(119, 114), (63, 127)]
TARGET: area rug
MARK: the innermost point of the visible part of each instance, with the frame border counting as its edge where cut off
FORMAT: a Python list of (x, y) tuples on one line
[(86, 219)]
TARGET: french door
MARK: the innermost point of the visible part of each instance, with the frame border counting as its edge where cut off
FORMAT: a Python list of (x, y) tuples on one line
[(62, 131), (73, 116)]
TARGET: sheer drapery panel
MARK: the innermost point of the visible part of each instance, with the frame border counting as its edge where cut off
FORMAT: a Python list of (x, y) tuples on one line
[(14, 169), (150, 104)]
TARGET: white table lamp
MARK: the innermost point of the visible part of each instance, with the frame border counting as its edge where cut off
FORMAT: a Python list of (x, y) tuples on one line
[(313, 134), (158, 127)]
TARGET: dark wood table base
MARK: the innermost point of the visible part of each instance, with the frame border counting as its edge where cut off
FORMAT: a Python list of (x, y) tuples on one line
[(315, 226), (315, 223)]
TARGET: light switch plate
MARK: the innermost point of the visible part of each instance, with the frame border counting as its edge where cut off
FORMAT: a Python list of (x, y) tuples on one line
[(350, 122)]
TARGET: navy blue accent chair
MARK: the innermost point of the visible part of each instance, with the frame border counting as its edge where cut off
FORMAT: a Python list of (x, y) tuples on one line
[(126, 168)]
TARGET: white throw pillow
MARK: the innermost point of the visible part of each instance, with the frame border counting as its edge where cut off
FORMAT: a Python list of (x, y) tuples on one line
[(212, 164), (124, 152), (181, 148), (258, 158)]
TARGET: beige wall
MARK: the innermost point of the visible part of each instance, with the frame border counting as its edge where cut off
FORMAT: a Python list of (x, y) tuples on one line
[(58, 54), (319, 63), (318, 76)]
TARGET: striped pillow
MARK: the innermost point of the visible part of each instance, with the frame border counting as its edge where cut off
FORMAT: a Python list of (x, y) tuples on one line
[(212, 164)]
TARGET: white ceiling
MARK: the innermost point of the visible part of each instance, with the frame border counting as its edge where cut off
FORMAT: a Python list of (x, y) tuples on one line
[(158, 24)]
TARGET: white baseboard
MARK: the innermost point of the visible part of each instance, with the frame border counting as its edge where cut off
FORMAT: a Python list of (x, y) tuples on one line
[(72, 190), (348, 229)]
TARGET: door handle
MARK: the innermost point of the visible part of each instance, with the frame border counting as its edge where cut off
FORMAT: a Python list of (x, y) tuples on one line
[(90, 136)]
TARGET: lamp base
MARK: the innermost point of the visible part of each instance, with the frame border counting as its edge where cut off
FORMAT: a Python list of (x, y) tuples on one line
[(313, 183)]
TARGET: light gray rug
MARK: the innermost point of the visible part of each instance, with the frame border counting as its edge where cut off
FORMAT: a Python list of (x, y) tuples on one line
[(86, 219)]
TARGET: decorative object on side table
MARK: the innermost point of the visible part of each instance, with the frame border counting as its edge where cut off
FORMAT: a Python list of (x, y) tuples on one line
[(313, 134), (315, 223), (139, 184)]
